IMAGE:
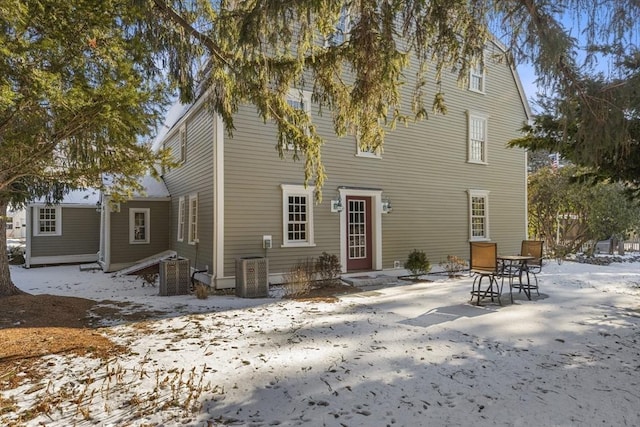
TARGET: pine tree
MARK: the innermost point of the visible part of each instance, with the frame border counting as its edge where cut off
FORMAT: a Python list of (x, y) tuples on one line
[(76, 94)]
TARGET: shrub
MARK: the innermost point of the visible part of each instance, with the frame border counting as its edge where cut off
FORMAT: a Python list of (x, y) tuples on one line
[(202, 291), (16, 255), (329, 268), (299, 279), (417, 263), (148, 278), (453, 265)]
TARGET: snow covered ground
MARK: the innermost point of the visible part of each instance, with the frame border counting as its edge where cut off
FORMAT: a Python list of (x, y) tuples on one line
[(411, 355)]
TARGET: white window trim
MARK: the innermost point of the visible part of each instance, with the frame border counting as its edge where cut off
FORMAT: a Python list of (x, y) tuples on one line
[(341, 31), (471, 116), (297, 190), (485, 195), (193, 219), (181, 218), (297, 95), (58, 219), (147, 225), (473, 72), (182, 140), (377, 154)]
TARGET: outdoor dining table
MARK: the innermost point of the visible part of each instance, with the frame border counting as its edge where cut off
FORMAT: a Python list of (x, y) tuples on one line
[(513, 266)]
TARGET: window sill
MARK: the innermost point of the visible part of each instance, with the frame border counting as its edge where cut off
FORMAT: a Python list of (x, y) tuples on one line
[(298, 245), (139, 243), (369, 155), (477, 162)]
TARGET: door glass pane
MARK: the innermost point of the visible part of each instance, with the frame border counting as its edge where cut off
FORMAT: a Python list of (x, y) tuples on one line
[(357, 229)]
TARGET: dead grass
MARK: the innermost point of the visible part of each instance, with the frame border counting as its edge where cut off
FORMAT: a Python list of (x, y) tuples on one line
[(33, 326)]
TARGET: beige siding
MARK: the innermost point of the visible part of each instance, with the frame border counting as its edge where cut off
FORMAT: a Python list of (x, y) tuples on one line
[(423, 171), (80, 234), (124, 252), (195, 176)]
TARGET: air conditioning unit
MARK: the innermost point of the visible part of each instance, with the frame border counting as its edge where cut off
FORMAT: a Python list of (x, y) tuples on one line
[(174, 276), (252, 277)]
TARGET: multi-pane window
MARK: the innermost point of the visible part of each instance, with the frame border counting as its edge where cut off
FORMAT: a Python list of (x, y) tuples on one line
[(479, 214), (182, 207), (477, 137), (139, 226), (298, 218), (476, 78), (183, 143), (343, 26), (297, 215), (299, 100), (193, 219), (48, 221)]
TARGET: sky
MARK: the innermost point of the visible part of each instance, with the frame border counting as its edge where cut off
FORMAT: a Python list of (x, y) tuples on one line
[(410, 354)]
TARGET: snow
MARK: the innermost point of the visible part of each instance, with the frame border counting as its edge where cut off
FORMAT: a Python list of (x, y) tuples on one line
[(88, 196), (408, 355)]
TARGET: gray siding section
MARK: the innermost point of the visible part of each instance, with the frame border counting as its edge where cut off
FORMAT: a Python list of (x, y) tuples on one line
[(423, 171), (124, 252), (195, 176), (80, 234)]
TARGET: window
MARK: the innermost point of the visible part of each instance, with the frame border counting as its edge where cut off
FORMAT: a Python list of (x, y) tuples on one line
[(181, 217), (193, 219), (299, 100), (479, 215), (297, 213), (139, 226), (476, 78), (9, 223), (477, 137), (48, 221), (343, 26), (183, 143), (371, 152)]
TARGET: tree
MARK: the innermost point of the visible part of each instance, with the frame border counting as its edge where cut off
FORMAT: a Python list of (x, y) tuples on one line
[(567, 211), (605, 138), (77, 90), (354, 56)]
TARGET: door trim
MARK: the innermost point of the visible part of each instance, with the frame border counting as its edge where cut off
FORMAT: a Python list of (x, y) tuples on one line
[(376, 226)]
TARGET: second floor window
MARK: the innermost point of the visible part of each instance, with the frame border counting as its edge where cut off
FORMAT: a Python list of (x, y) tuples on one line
[(477, 137), (183, 143), (476, 78)]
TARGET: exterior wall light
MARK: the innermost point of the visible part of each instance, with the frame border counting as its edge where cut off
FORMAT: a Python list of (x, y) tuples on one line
[(386, 206), (336, 205)]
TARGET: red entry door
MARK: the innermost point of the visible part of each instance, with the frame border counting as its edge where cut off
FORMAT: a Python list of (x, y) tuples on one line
[(359, 250)]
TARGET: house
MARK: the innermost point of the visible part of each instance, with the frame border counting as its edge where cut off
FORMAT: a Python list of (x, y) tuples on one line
[(68, 232), (438, 185), (16, 224), (136, 229)]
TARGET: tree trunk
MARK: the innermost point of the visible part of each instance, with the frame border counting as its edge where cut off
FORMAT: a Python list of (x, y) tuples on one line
[(6, 285)]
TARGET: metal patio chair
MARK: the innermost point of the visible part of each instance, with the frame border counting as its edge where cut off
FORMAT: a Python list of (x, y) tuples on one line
[(533, 248), (483, 263)]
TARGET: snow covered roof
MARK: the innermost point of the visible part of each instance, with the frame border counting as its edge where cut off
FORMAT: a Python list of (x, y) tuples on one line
[(151, 187), (173, 116), (89, 196)]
